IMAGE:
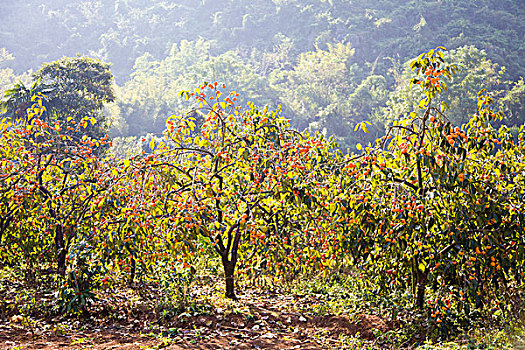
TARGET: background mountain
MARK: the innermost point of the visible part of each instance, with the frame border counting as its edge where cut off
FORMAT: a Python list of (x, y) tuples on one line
[(329, 63)]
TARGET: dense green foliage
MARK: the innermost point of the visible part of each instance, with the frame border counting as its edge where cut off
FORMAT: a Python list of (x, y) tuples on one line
[(73, 89)]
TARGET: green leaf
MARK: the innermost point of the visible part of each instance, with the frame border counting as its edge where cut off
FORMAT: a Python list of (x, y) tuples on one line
[(423, 103)]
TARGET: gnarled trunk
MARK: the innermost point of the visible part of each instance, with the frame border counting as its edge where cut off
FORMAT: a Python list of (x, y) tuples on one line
[(229, 269), (61, 250), (229, 263)]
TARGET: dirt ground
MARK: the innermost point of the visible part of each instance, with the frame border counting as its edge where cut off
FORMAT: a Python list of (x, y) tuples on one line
[(254, 322)]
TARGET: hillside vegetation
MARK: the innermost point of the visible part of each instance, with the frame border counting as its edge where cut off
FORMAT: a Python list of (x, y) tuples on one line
[(276, 52)]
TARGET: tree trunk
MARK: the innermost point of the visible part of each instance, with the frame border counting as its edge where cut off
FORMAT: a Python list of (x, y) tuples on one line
[(229, 269), (421, 285), (133, 270), (61, 250), (420, 295), (229, 264)]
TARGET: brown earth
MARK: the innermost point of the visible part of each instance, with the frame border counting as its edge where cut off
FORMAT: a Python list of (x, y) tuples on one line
[(259, 320)]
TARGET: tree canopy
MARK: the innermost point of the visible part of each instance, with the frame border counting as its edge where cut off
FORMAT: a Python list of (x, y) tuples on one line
[(72, 89)]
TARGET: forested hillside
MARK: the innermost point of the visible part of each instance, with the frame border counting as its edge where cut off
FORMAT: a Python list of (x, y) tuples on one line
[(274, 52), (119, 31)]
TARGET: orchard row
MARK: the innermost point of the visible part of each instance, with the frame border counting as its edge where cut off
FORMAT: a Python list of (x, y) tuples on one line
[(430, 207)]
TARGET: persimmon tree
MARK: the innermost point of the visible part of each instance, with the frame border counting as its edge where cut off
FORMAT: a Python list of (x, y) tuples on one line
[(134, 224), (51, 183), (440, 206), (16, 198), (241, 183)]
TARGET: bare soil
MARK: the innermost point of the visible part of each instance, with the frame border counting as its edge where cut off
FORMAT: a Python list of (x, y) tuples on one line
[(259, 320)]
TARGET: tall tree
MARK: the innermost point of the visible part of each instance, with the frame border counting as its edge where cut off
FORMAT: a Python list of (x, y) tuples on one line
[(79, 87)]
